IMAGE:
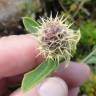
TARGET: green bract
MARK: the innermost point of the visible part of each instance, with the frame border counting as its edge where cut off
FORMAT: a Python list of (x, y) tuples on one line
[(30, 24), (33, 77)]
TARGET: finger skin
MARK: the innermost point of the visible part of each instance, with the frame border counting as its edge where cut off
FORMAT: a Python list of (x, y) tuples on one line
[(73, 91), (74, 75), (18, 92), (17, 54)]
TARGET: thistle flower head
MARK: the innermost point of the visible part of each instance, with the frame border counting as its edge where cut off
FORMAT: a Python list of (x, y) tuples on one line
[(57, 39), (57, 42)]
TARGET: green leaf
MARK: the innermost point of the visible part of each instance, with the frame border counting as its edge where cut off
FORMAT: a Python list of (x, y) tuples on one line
[(30, 24), (91, 58), (34, 77)]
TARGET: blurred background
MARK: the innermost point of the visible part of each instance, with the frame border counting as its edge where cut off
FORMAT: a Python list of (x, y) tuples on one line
[(81, 12)]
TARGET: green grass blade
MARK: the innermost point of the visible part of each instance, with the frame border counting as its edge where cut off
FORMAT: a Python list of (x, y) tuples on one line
[(30, 24), (91, 58), (34, 77)]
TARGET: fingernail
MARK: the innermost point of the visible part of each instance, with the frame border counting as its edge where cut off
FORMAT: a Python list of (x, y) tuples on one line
[(53, 86)]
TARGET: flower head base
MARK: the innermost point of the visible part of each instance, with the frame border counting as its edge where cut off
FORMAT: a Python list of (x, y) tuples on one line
[(57, 39)]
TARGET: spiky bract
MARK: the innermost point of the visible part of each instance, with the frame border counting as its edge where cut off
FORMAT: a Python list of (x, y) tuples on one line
[(57, 39)]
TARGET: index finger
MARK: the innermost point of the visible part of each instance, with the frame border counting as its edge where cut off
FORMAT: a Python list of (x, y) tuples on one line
[(17, 54)]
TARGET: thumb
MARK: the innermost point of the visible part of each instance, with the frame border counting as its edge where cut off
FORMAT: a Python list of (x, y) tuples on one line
[(52, 86)]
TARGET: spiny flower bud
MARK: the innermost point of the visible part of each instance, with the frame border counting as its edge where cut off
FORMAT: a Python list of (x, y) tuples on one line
[(57, 39)]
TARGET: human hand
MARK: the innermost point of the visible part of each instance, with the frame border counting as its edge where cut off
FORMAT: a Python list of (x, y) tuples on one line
[(18, 55)]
